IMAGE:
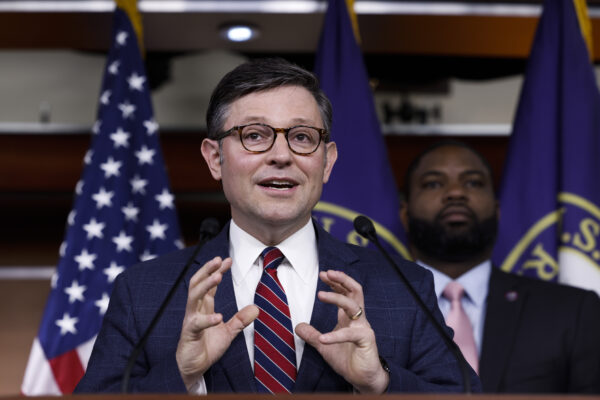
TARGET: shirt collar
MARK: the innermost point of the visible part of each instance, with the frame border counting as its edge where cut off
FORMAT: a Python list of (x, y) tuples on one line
[(300, 251), (474, 281)]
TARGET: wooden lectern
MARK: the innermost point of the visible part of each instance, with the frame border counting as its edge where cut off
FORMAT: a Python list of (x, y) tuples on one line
[(315, 396)]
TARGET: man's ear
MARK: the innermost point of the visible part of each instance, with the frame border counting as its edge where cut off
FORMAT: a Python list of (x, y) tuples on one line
[(497, 210), (212, 155), (331, 157), (404, 215)]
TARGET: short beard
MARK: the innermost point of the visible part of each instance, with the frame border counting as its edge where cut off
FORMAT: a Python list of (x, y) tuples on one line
[(440, 243)]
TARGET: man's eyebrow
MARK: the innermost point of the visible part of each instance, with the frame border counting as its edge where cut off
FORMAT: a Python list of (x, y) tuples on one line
[(250, 119), (431, 172), (474, 172), (302, 121), (263, 120)]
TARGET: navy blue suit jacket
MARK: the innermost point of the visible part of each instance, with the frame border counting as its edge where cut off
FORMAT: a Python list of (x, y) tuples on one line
[(539, 337), (418, 359)]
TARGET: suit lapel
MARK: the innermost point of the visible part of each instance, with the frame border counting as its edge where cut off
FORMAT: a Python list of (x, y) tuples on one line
[(504, 304), (332, 255), (219, 246), (236, 361), (324, 319)]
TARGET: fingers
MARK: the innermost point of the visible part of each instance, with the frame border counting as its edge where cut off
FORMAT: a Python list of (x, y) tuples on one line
[(358, 335), (204, 282), (194, 324), (340, 282), (242, 319), (344, 335), (347, 293), (200, 313), (309, 334), (347, 304), (210, 268)]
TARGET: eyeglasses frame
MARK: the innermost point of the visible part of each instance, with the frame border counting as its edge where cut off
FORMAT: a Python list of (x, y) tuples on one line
[(285, 131)]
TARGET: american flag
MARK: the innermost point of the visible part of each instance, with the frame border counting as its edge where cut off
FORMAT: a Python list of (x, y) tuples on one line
[(123, 213)]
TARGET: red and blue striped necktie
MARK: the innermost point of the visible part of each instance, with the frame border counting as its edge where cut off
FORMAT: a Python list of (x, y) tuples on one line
[(274, 349)]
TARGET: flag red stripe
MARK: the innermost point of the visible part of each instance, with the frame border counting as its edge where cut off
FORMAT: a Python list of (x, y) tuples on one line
[(67, 370)]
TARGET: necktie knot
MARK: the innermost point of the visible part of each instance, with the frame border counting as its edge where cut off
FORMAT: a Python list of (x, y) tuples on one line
[(272, 257), (454, 291)]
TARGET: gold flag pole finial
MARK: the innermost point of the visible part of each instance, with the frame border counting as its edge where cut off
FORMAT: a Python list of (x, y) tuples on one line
[(353, 19), (130, 7)]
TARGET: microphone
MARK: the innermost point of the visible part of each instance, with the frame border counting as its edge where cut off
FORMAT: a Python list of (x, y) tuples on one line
[(208, 230), (364, 226)]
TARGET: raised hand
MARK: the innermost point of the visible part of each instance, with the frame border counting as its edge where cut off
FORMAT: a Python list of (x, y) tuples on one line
[(204, 336), (350, 349)]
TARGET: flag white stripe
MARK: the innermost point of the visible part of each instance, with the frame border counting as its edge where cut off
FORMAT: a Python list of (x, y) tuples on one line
[(39, 379), (85, 351)]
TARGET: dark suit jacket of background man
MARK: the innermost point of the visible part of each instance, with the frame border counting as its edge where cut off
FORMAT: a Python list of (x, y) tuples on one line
[(539, 337), (405, 338)]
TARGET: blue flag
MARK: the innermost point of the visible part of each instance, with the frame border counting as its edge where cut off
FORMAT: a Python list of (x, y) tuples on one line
[(362, 181), (123, 213), (550, 196)]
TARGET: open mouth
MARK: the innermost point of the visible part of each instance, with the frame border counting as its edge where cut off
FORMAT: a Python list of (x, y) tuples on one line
[(278, 185)]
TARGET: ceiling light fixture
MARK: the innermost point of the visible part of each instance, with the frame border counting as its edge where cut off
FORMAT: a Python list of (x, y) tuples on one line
[(238, 32)]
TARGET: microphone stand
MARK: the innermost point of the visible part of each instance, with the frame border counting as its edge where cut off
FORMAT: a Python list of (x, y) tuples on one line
[(208, 229), (364, 226)]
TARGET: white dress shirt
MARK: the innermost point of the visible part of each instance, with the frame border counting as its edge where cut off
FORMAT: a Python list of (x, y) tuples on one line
[(475, 282), (298, 274)]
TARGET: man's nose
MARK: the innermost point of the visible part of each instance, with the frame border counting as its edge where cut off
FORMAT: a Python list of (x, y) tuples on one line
[(280, 150), (455, 190)]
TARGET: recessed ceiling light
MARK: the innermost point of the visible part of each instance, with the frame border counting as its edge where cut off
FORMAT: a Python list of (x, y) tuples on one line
[(238, 32)]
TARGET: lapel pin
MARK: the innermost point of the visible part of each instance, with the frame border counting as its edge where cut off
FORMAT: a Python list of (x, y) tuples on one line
[(511, 295)]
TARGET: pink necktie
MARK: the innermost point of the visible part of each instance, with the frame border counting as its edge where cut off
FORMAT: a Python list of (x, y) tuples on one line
[(457, 320)]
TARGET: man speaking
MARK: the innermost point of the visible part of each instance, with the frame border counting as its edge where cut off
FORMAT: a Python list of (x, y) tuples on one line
[(273, 303)]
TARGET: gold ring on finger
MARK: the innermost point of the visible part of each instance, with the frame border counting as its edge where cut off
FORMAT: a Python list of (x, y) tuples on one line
[(357, 315)]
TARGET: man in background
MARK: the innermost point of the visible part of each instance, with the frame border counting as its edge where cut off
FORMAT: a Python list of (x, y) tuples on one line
[(520, 334)]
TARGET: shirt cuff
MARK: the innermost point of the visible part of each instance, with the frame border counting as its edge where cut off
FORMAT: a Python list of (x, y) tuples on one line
[(199, 387)]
